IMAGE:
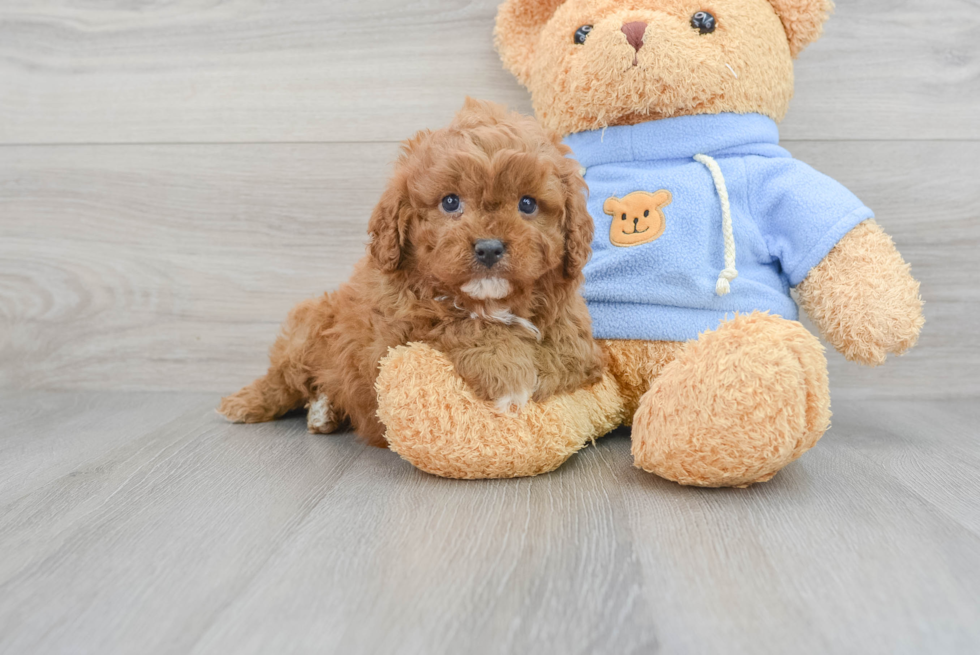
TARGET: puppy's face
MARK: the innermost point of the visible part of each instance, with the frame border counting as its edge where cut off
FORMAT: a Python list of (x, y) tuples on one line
[(487, 209)]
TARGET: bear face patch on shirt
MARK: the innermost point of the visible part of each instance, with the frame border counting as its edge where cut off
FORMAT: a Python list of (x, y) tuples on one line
[(638, 218)]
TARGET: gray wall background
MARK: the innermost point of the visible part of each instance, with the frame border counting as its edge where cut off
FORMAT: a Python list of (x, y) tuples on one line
[(175, 176)]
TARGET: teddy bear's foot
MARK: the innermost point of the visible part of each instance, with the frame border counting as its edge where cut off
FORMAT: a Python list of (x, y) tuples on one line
[(436, 423), (736, 406)]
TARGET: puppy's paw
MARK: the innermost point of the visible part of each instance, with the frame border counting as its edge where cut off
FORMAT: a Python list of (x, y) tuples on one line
[(548, 386), (565, 381), (320, 416), (246, 406), (506, 379), (513, 403)]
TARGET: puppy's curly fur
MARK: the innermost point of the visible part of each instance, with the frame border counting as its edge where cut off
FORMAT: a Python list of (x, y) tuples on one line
[(514, 331)]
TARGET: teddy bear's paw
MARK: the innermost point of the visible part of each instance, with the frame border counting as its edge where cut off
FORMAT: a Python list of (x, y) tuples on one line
[(863, 298), (435, 422), (736, 406)]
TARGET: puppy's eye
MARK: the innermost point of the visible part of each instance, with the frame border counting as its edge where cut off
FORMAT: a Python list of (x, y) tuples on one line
[(451, 204), (703, 22), (581, 34), (528, 205)]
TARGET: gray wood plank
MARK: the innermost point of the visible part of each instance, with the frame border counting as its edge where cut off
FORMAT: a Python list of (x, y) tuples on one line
[(447, 566), (170, 267), (377, 70), (834, 556), (146, 545), (203, 537), (53, 434), (942, 467), (123, 265)]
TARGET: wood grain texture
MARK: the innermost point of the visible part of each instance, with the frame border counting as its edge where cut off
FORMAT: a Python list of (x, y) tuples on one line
[(171, 267), (853, 546), (376, 70), (152, 540), (174, 176), (54, 435), (198, 536)]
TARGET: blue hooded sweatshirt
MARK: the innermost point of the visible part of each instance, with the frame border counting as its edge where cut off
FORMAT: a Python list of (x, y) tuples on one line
[(698, 217)]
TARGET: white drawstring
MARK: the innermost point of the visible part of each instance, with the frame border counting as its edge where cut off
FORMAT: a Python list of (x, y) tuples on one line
[(729, 274)]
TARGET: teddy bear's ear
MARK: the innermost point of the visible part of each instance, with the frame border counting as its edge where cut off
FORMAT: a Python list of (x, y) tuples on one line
[(612, 206), (519, 23), (803, 20)]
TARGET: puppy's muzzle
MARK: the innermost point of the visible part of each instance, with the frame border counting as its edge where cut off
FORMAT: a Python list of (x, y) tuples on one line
[(489, 251)]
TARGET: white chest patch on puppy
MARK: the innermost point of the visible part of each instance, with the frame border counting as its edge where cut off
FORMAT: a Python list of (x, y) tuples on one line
[(508, 318), (320, 418), (487, 288)]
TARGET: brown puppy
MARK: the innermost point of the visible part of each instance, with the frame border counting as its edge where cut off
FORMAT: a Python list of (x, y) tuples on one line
[(477, 247)]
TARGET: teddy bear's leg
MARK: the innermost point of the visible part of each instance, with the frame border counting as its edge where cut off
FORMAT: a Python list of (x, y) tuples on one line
[(436, 423), (634, 365), (736, 405)]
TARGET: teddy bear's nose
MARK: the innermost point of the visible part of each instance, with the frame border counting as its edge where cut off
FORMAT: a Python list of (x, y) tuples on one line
[(634, 34)]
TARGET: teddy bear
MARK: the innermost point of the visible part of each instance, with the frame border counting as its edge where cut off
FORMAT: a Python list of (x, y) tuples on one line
[(704, 225)]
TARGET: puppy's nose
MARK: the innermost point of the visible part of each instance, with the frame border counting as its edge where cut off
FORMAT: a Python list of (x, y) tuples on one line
[(634, 34), (489, 251)]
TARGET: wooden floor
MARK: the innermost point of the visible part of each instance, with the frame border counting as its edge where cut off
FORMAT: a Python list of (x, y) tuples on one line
[(174, 176), (143, 523)]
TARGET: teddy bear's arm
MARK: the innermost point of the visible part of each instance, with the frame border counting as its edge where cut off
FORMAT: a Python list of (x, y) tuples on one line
[(863, 298), (437, 424)]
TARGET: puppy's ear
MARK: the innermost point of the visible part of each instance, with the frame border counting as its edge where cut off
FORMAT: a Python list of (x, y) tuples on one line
[(476, 113), (803, 20), (579, 227), (519, 24), (389, 221), (386, 227)]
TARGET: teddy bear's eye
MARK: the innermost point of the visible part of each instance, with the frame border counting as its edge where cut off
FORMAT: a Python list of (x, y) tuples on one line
[(581, 34), (703, 22)]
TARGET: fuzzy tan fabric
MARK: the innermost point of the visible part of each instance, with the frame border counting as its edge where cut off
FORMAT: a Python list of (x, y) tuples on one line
[(803, 20), (863, 298), (436, 423), (635, 365), (735, 406), (744, 66)]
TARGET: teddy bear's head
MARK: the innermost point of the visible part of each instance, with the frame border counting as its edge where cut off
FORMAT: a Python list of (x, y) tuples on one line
[(590, 64)]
